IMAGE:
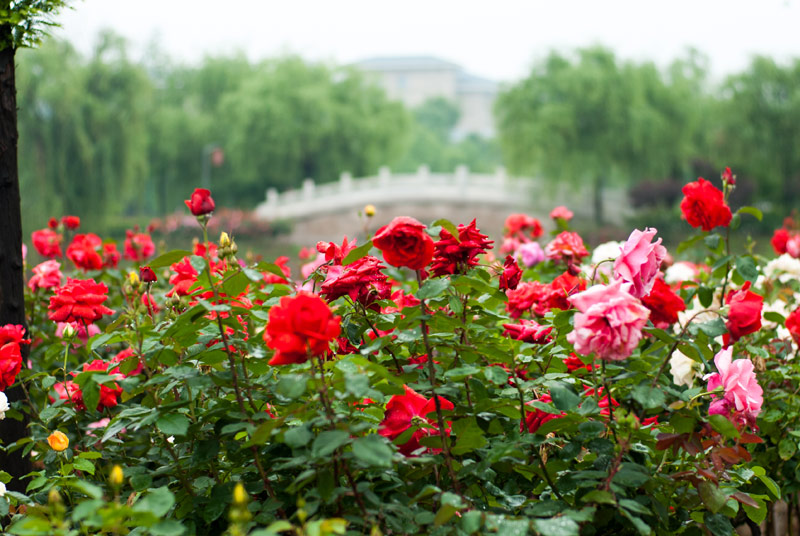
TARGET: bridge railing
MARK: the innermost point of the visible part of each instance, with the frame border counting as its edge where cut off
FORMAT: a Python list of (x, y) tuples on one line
[(461, 187)]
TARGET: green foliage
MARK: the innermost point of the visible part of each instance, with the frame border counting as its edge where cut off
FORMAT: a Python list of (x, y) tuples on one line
[(25, 22)]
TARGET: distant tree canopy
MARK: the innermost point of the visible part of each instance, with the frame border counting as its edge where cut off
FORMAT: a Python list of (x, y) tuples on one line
[(107, 136), (590, 119)]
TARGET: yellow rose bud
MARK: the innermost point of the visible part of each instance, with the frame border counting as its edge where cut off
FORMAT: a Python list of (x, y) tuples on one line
[(58, 441), (115, 477), (68, 332), (133, 277), (224, 240), (54, 497), (239, 494), (369, 210)]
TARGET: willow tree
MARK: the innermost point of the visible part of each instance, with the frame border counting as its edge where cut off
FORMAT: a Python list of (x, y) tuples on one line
[(22, 23)]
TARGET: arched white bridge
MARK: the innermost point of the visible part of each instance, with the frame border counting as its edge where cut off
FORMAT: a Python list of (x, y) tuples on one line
[(460, 188)]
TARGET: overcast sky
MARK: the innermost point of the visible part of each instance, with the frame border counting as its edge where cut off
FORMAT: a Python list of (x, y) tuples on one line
[(496, 39)]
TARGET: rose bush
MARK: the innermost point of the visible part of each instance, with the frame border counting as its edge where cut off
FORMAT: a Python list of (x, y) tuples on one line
[(204, 393)]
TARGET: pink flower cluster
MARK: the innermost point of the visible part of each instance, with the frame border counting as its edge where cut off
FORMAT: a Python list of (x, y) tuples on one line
[(742, 398)]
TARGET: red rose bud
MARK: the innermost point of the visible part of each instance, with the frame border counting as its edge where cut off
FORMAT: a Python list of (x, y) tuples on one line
[(71, 222), (779, 239), (744, 317), (147, 275), (728, 177), (201, 202), (404, 242), (52, 223), (528, 331), (704, 206), (511, 275)]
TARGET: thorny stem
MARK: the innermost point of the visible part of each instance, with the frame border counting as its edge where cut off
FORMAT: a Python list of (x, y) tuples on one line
[(677, 341), (436, 402)]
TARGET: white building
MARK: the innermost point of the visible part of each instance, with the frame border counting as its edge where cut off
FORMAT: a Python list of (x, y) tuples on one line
[(413, 80)]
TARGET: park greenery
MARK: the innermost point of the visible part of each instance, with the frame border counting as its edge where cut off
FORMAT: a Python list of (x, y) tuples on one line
[(104, 135)]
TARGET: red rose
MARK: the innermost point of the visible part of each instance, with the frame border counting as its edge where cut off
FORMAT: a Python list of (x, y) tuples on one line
[(703, 205), (183, 279), (779, 239), (567, 247), (47, 243), (528, 331), (334, 252), (147, 275), (201, 202), (561, 212), (561, 288), (362, 281), (122, 356), (523, 227), (664, 304), (109, 392), (404, 242), (11, 337), (70, 391), (511, 275), (573, 363), (300, 326), (83, 251), (79, 301), (71, 222), (45, 275), (530, 294), (401, 301), (456, 256), (110, 255), (52, 223), (138, 246), (793, 325), (534, 417), (729, 177), (403, 410), (744, 316)]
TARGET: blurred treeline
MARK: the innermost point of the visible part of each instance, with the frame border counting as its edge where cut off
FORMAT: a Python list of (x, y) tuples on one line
[(592, 120), (114, 140)]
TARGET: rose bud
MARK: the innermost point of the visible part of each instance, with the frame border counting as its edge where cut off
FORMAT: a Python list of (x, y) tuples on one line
[(201, 202), (147, 274)]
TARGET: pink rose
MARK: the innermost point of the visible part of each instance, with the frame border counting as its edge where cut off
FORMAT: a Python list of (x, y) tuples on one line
[(45, 275), (561, 212), (530, 254), (793, 246), (610, 321), (640, 261), (742, 395)]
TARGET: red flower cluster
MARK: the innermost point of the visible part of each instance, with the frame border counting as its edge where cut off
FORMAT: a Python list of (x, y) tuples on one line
[(85, 249), (528, 331), (138, 246), (71, 222), (522, 227), (71, 391), (362, 280), (201, 202), (664, 304), (704, 205), (793, 325), (47, 243), (535, 418), (744, 316), (457, 256), (787, 239), (539, 298), (412, 409), (511, 274), (80, 300), (11, 337), (404, 242), (300, 326)]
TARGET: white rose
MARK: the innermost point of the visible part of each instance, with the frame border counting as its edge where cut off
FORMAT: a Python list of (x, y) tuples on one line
[(3, 408), (785, 267), (680, 272), (2, 489), (683, 369)]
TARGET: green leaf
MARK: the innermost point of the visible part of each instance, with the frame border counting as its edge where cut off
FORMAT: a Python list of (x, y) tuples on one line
[(357, 253), (292, 385), (469, 436), (757, 515), (711, 496), (157, 502), (786, 448), (328, 441), (723, 426), (649, 397), (746, 267), (712, 241), (373, 451), (563, 398), (173, 424), (556, 526), (773, 488), (718, 524), (753, 211), (171, 257), (297, 437), (168, 527), (82, 464), (433, 287)]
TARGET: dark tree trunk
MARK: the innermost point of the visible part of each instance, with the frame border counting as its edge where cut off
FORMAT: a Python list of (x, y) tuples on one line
[(599, 186), (12, 297)]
